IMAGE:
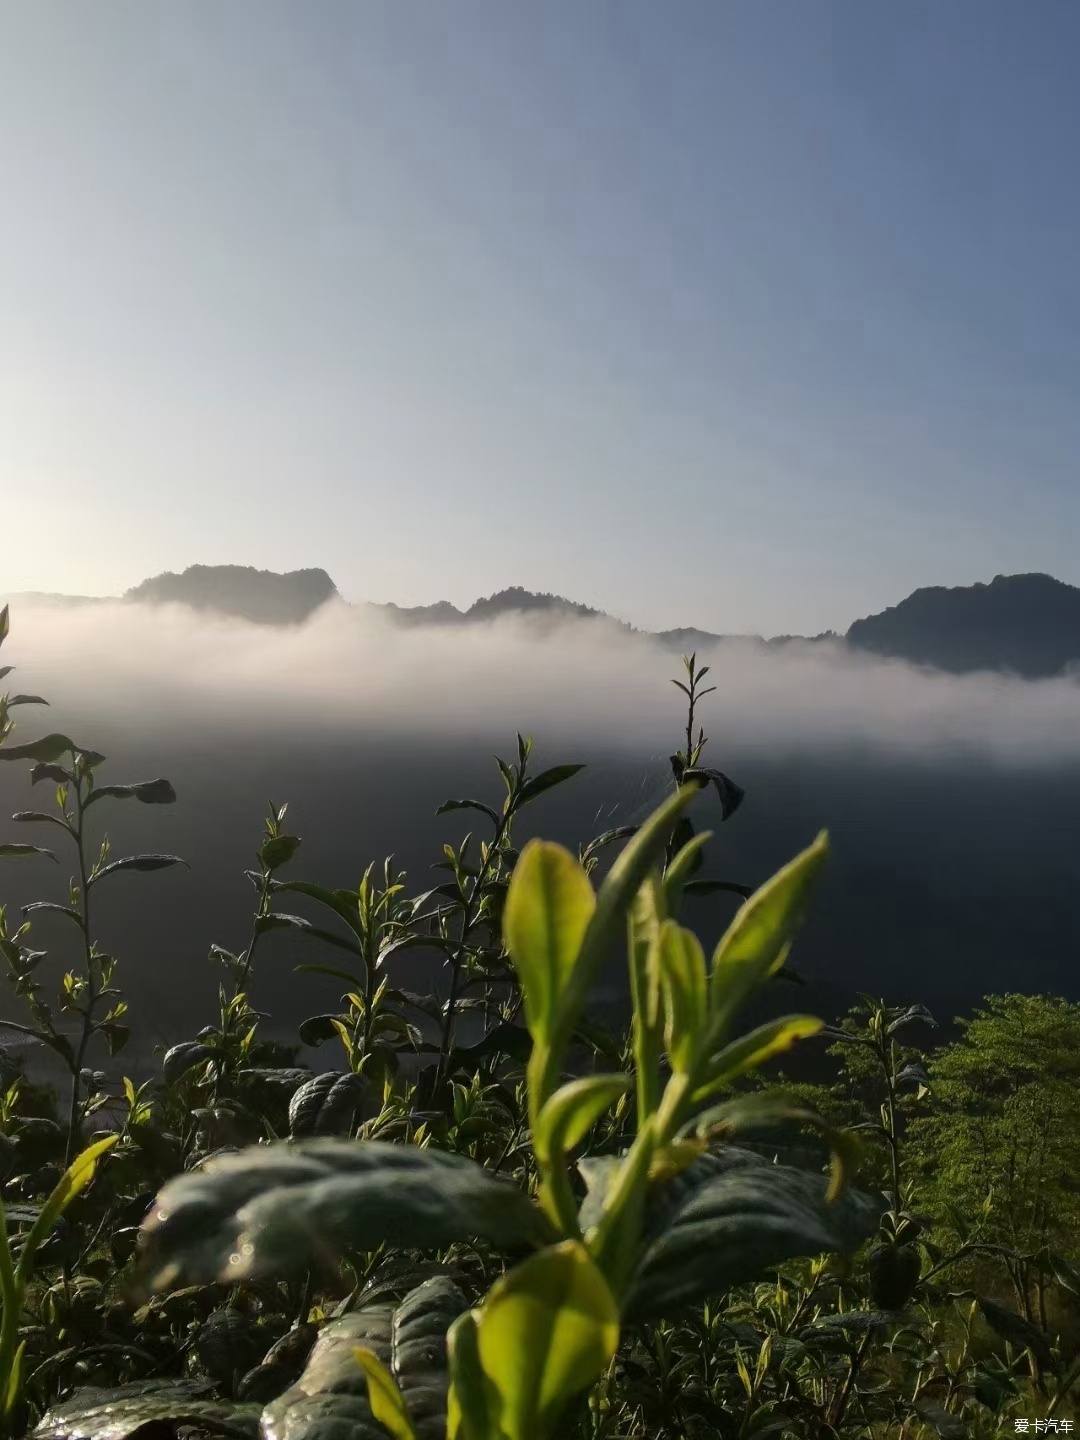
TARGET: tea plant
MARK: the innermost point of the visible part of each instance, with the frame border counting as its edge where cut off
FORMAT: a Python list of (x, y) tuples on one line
[(87, 993)]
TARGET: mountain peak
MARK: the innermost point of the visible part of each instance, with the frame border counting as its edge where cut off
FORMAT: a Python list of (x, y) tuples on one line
[(1026, 624), (263, 596)]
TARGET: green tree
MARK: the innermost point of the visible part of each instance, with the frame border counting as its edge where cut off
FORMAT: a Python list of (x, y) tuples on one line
[(1003, 1125)]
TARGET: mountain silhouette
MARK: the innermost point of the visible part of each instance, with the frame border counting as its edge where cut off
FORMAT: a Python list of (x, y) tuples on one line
[(1028, 625), (262, 596)]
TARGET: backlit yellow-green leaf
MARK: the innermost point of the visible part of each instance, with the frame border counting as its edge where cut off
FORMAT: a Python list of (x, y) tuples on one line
[(386, 1400), (757, 941), (546, 1331), (571, 1112), (548, 908), (682, 975), (472, 1400), (77, 1176), (751, 1051)]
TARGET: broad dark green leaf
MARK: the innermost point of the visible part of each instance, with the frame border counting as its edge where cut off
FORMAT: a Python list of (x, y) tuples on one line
[(505, 1039), (914, 1012), (326, 1104), (46, 750), (714, 887), (329, 1401), (278, 921), (730, 795), (947, 1425), (280, 1209), (448, 805), (317, 1028), (227, 1345), (182, 1058), (1066, 1274), (38, 817), (98, 1414), (137, 862), (546, 780), (116, 1036), (609, 837), (344, 903), (51, 772), (41, 907), (26, 700), (732, 1217), (14, 852), (416, 942), (148, 792), (278, 850), (1018, 1331), (833, 1330)]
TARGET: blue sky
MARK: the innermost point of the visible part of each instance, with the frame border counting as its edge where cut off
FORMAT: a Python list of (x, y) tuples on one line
[(753, 316)]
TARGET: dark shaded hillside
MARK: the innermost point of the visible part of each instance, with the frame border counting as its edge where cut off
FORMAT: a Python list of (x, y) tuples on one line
[(1027, 624), (262, 596), (944, 884)]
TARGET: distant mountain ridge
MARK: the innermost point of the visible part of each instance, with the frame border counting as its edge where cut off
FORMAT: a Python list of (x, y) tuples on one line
[(1028, 625)]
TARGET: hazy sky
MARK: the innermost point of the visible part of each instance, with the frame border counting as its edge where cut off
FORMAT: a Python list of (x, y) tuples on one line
[(753, 316)]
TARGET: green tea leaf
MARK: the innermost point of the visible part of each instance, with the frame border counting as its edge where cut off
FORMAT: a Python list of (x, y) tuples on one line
[(546, 780), (278, 921), (546, 1330), (14, 852), (732, 1217), (326, 1104), (74, 1179), (182, 1058), (137, 862), (409, 1345), (751, 1051), (279, 1209), (758, 939), (1018, 1331), (147, 1405), (684, 982), (548, 909), (278, 850), (41, 907), (344, 903), (386, 1400), (46, 750), (448, 805), (568, 1115), (473, 1401)]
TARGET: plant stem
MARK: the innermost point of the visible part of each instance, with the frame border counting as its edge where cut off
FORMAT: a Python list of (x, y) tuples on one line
[(91, 995)]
